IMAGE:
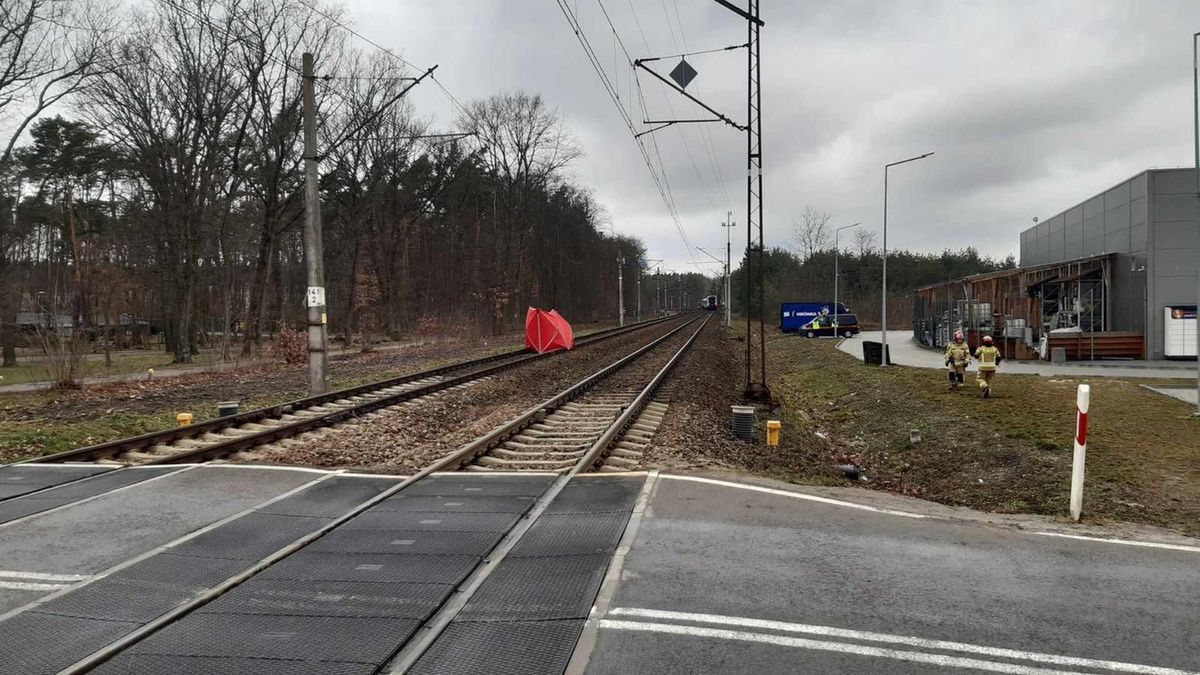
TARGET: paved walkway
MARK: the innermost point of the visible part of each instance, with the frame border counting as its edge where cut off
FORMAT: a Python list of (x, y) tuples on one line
[(907, 352), (1185, 394)]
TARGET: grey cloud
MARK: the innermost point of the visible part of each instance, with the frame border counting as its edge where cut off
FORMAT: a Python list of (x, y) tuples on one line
[(1031, 106)]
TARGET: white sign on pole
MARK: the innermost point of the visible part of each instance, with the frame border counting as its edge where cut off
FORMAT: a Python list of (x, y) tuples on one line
[(316, 296)]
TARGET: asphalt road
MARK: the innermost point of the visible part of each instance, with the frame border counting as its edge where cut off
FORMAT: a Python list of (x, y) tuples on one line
[(722, 579)]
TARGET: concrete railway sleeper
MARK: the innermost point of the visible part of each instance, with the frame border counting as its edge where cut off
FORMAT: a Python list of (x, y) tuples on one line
[(139, 649), (224, 436)]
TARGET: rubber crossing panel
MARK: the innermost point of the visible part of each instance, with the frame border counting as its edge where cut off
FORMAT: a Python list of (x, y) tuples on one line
[(21, 479), (527, 615), (348, 601), (77, 490), (523, 648), (107, 608)]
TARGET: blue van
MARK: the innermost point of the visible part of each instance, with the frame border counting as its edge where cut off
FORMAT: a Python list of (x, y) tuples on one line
[(794, 316)]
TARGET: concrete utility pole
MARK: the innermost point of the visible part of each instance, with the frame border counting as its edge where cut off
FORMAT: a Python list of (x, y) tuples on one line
[(1196, 137), (728, 225), (639, 293), (314, 256), (621, 289), (883, 360)]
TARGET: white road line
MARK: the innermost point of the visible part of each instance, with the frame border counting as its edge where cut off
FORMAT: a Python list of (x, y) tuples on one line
[(270, 467), (943, 645), (13, 574), (820, 645), (30, 586), (1125, 542), (794, 495)]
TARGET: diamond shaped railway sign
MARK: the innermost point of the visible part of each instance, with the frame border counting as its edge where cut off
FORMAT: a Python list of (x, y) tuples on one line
[(683, 73)]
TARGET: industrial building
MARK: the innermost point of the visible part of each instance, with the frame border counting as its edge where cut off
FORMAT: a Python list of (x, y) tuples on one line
[(1112, 276)]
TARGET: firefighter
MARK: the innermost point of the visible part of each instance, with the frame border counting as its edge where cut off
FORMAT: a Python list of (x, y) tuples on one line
[(958, 355), (989, 357)]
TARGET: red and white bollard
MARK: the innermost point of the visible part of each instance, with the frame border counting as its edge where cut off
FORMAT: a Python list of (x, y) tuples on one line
[(1082, 398)]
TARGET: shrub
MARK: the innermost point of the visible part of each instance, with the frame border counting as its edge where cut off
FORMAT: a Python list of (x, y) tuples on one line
[(290, 346)]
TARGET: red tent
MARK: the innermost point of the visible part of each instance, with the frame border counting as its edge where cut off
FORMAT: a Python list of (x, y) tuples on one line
[(547, 331)]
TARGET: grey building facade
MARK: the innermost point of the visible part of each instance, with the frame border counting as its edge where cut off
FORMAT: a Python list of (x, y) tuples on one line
[(1148, 224)]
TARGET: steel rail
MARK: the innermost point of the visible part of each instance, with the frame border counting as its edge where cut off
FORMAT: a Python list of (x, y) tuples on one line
[(168, 436)]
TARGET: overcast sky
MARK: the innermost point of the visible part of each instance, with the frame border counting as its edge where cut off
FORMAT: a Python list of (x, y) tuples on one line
[(1030, 106)]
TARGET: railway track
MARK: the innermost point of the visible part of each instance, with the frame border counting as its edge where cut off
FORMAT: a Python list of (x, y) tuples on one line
[(225, 436), (435, 509), (601, 422)]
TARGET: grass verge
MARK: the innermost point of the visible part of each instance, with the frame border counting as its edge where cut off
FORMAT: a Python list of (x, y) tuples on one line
[(1008, 454)]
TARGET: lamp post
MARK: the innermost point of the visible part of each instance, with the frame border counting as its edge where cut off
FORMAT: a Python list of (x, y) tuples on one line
[(837, 251), (884, 359), (1196, 137), (728, 225)]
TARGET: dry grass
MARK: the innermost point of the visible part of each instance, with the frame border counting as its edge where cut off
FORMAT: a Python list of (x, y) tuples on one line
[(1009, 454)]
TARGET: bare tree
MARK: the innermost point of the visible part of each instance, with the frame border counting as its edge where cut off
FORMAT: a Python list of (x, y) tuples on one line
[(864, 242), (49, 49), (171, 104), (525, 145), (811, 232)]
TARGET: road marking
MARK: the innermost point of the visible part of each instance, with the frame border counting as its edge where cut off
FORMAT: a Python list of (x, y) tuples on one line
[(1126, 542), (794, 495), (829, 631), (42, 576), (31, 586)]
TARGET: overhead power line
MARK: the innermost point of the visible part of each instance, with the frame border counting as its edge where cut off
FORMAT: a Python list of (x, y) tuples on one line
[(341, 24), (657, 176)]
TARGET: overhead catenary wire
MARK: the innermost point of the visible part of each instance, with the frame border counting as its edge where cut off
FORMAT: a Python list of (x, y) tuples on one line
[(710, 149), (640, 98), (658, 176)]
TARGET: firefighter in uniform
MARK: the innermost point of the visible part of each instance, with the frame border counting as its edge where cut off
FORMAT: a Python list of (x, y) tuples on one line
[(989, 357), (958, 355)]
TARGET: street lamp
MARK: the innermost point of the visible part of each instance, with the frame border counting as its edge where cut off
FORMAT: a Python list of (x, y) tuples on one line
[(884, 359), (728, 225), (1196, 136), (837, 251)]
